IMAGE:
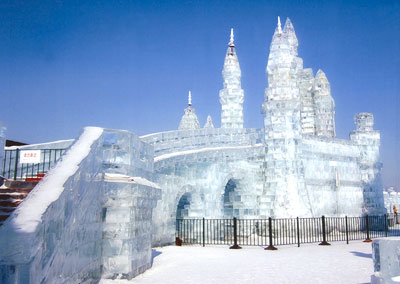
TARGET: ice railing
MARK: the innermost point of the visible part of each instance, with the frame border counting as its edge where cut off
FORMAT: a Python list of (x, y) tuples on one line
[(181, 140), (32, 161)]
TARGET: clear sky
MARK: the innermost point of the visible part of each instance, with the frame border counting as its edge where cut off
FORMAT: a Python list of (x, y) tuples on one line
[(129, 64)]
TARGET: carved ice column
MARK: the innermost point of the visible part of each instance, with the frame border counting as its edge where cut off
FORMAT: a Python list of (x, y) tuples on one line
[(231, 96), (306, 81), (283, 183), (368, 141), (324, 106)]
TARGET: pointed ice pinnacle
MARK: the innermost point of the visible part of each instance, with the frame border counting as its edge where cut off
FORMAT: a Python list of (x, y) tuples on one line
[(189, 119), (209, 123), (288, 27), (231, 39), (320, 75), (279, 28)]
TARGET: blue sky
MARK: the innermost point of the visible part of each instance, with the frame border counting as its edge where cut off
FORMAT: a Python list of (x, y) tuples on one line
[(129, 64)]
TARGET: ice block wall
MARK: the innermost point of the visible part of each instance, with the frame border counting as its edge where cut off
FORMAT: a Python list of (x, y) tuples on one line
[(61, 233), (331, 176), (201, 179), (368, 141), (386, 256)]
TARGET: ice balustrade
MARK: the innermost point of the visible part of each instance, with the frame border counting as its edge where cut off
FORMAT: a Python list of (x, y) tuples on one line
[(180, 140)]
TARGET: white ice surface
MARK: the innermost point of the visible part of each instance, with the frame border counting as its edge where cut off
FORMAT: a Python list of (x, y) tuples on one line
[(29, 213), (309, 264), (125, 178), (187, 152)]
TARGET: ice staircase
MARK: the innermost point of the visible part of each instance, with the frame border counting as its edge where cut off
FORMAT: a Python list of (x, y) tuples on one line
[(12, 192)]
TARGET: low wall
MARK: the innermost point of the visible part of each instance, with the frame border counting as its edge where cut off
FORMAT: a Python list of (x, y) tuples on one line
[(68, 231)]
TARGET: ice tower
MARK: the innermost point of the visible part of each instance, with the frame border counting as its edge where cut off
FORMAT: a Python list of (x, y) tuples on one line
[(281, 109), (189, 119), (231, 96), (368, 141)]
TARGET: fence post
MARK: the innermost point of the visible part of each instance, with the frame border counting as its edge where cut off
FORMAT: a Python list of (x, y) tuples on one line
[(324, 242), (235, 245), (178, 240), (347, 231), (204, 233), (367, 240), (271, 246), (16, 163), (386, 225), (298, 233)]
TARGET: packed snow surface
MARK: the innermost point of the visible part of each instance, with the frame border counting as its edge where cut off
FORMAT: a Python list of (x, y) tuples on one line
[(29, 213), (309, 264), (33, 146)]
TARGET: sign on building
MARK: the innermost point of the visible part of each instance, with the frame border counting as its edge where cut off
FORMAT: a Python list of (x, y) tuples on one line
[(29, 157)]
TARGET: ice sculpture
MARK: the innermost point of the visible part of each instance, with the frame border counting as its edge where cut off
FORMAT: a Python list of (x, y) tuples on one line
[(189, 119), (231, 96), (293, 167), (368, 141), (324, 106)]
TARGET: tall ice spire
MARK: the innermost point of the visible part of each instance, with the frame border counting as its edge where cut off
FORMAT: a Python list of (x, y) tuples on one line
[(282, 130), (189, 119), (279, 27), (231, 96)]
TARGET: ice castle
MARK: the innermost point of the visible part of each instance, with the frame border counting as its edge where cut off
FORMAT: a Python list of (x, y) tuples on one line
[(113, 194), (295, 166)]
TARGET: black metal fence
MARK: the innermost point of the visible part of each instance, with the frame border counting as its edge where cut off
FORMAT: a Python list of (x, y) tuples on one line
[(272, 232), (14, 169)]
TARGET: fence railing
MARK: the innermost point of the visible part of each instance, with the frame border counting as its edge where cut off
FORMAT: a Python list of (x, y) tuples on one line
[(273, 232), (14, 166)]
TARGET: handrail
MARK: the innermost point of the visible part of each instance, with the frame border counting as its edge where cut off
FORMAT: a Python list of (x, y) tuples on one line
[(15, 169)]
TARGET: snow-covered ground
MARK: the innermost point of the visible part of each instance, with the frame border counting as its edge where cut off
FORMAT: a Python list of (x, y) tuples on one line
[(309, 264)]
